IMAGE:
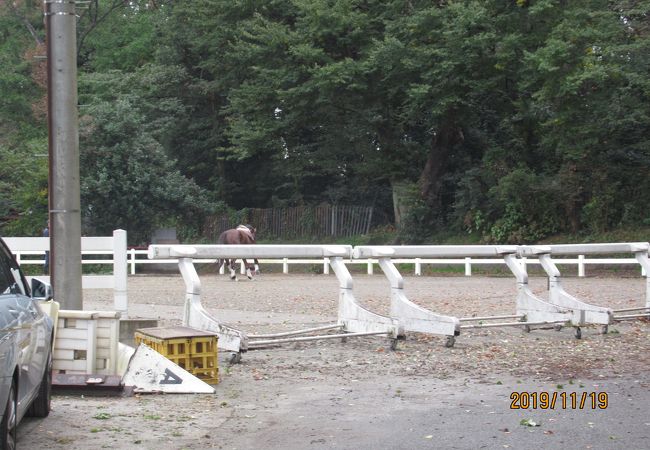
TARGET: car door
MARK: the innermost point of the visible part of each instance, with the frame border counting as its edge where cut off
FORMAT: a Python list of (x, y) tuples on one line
[(7, 336), (28, 324)]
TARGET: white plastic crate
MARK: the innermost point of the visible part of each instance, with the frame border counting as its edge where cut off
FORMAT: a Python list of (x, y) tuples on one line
[(87, 342)]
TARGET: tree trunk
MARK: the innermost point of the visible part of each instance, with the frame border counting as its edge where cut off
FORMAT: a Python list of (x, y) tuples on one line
[(402, 193), (442, 146)]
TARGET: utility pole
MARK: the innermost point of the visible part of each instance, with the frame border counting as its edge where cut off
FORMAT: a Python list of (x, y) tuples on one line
[(63, 147)]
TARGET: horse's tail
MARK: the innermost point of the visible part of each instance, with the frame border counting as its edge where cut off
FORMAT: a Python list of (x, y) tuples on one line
[(222, 238)]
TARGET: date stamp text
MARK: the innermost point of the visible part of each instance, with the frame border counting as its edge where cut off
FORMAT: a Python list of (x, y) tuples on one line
[(558, 400)]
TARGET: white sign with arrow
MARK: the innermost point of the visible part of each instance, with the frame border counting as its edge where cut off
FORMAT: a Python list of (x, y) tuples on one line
[(149, 371)]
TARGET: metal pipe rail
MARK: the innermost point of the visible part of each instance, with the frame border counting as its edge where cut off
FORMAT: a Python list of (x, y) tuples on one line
[(296, 332), (642, 308), (473, 319), (508, 324), (256, 344), (631, 316)]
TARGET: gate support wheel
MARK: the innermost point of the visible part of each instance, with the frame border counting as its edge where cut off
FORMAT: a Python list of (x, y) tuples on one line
[(451, 340)]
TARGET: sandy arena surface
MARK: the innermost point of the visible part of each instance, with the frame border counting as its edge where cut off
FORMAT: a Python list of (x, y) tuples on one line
[(360, 394)]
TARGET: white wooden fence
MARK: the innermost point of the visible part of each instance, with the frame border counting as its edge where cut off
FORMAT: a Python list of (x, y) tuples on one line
[(136, 258), (31, 251)]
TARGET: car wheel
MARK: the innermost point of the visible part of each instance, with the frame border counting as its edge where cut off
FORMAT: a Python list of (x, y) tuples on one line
[(40, 407), (8, 425)]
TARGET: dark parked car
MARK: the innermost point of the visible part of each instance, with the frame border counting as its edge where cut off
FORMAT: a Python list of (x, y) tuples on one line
[(26, 335)]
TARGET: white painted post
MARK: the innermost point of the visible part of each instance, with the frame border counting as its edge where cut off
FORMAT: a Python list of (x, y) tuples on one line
[(418, 266), (581, 265), (120, 271), (468, 266), (644, 259), (371, 267), (285, 265), (132, 251), (242, 267), (326, 266)]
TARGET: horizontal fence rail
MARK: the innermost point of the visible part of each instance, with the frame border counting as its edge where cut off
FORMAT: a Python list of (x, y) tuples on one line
[(137, 260), (467, 263)]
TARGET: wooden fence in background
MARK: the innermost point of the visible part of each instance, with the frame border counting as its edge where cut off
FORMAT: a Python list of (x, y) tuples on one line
[(296, 222)]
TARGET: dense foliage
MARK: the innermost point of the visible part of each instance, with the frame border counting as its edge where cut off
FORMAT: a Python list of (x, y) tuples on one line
[(513, 120)]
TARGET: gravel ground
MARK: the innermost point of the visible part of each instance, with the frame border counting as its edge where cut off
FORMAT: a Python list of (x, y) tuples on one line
[(359, 394)]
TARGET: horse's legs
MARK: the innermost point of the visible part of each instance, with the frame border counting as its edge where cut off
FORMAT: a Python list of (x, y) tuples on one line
[(249, 273), (233, 272), (257, 266)]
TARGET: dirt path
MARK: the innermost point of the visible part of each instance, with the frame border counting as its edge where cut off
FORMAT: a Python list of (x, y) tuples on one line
[(360, 394)]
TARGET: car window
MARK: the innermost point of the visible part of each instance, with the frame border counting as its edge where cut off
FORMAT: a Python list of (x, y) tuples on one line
[(18, 279), (11, 280), (6, 278)]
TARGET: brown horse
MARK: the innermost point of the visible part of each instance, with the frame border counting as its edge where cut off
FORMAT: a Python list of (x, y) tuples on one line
[(243, 234)]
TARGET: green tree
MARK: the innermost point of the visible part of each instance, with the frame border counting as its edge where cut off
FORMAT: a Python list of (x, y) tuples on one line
[(23, 139), (128, 179), (591, 86), (285, 98), (514, 120), (312, 97), (570, 152), (116, 35)]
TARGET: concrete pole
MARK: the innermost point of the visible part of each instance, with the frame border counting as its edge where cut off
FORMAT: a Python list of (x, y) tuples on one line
[(64, 185)]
